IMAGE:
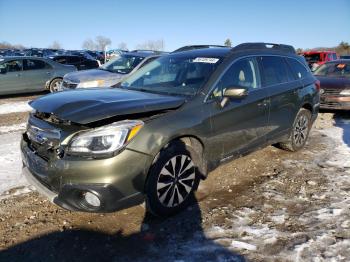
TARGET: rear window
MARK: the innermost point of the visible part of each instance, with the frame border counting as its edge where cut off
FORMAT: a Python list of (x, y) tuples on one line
[(334, 70), (275, 70), (299, 70)]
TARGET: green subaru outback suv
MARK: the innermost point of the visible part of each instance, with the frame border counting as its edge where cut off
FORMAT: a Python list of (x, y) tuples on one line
[(159, 132)]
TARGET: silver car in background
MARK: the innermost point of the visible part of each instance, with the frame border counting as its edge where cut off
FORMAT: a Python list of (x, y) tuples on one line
[(111, 73), (26, 74)]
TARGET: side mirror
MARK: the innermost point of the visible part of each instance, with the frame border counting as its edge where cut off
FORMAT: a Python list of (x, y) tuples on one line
[(236, 92), (233, 93), (3, 70)]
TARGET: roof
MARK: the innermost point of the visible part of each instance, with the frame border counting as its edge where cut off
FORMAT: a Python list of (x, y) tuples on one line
[(211, 52), (22, 57), (339, 61), (316, 52), (140, 54)]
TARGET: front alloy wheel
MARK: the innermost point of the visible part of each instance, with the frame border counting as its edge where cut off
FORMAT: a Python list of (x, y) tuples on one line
[(176, 180), (172, 180)]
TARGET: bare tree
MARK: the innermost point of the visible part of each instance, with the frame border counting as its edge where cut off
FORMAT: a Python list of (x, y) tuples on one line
[(55, 45), (123, 46), (6, 45), (228, 42), (89, 44), (157, 45), (102, 42), (299, 50)]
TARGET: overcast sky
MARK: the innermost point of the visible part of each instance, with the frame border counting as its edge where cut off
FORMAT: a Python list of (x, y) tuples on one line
[(303, 24)]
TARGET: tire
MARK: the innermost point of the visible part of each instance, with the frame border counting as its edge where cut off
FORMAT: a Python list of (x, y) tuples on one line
[(55, 84), (170, 190), (300, 131)]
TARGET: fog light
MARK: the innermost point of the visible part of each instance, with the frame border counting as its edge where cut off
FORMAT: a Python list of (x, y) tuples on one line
[(92, 199)]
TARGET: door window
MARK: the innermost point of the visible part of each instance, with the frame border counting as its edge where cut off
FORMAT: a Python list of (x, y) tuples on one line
[(243, 73), (31, 64), (275, 70), (73, 60), (61, 60), (12, 66)]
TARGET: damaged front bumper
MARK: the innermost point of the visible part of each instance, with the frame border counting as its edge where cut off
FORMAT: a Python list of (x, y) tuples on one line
[(117, 182)]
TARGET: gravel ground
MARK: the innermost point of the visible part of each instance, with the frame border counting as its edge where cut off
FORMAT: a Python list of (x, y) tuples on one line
[(271, 205)]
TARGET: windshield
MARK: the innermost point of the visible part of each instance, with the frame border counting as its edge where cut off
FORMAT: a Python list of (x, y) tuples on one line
[(173, 75), (334, 70), (312, 58), (123, 64)]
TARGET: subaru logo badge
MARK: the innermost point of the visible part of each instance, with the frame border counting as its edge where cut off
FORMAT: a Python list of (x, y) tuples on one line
[(40, 138)]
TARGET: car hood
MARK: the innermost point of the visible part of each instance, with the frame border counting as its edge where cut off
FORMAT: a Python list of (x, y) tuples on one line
[(334, 82), (92, 75), (91, 105)]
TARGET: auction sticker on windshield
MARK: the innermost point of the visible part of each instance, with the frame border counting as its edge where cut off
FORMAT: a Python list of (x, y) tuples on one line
[(208, 60)]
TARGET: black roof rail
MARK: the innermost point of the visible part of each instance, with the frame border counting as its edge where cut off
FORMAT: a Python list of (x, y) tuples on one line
[(265, 46), (192, 47), (146, 51)]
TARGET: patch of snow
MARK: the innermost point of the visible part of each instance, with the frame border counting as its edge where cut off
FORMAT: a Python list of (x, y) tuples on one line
[(323, 234), (12, 128), (15, 107), (10, 163), (242, 245)]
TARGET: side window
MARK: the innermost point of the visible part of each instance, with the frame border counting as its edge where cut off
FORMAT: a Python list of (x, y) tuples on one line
[(148, 61), (61, 60), (31, 64), (335, 56), (12, 66), (274, 70), (73, 59), (243, 73), (299, 70)]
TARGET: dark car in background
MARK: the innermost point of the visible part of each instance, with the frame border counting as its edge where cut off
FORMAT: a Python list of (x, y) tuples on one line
[(108, 74), (97, 55), (334, 78), (30, 74), (166, 126), (80, 62)]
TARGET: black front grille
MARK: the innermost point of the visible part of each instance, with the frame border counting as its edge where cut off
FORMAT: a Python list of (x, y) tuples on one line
[(42, 142), (330, 104), (331, 92)]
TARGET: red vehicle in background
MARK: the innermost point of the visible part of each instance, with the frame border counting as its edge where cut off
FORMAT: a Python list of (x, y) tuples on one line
[(317, 58)]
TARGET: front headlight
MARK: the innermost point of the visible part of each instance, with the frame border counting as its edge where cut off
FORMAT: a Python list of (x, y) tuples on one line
[(90, 84), (345, 92), (104, 140)]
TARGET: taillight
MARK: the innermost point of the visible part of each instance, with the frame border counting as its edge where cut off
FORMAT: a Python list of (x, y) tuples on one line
[(318, 85)]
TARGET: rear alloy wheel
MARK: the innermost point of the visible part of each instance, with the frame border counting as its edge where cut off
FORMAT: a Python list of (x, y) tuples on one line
[(55, 85), (172, 180), (300, 131)]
